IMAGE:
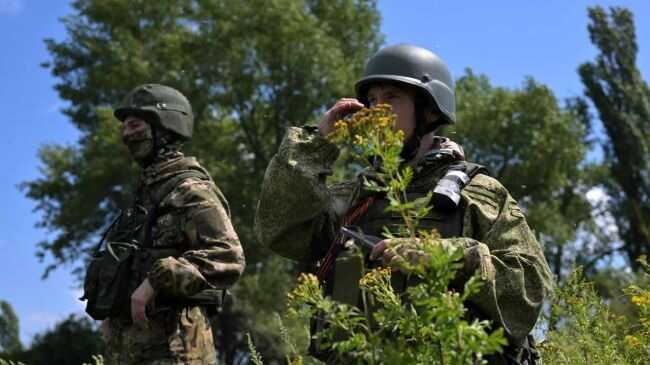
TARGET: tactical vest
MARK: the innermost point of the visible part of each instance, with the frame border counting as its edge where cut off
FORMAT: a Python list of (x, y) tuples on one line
[(125, 255), (343, 281)]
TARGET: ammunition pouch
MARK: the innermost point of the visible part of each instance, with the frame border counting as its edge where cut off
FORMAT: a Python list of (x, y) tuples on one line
[(526, 354), (106, 283), (106, 286)]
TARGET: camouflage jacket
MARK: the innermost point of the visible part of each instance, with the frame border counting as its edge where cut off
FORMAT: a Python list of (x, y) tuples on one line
[(298, 215), (193, 247)]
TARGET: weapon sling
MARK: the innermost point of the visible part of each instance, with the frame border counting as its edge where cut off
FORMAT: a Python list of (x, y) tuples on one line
[(335, 248)]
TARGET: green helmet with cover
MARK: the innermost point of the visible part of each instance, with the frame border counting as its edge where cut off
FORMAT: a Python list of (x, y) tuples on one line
[(161, 105), (415, 66)]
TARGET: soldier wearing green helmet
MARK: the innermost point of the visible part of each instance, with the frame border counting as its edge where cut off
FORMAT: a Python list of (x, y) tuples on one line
[(166, 260), (161, 104), (299, 216)]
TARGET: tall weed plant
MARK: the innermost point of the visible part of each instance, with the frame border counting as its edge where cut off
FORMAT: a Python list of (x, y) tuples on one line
[(584, 330)]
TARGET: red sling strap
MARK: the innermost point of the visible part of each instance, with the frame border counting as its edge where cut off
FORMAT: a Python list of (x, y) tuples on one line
[(351, 216)]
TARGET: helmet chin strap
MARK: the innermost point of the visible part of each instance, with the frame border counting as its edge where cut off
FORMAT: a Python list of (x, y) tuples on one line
[(412, 145), (157, 145), (166, 145)]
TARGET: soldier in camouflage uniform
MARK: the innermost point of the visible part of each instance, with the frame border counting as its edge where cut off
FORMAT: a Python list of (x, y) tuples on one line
[(187, 245), (298, 216)]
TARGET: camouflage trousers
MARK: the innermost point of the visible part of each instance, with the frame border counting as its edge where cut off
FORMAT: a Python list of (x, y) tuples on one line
[(171, 337)]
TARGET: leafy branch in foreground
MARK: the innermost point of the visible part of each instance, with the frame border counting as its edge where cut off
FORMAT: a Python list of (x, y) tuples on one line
[(376, 145)]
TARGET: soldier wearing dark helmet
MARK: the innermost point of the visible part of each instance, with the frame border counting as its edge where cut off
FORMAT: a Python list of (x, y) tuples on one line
[(167, 259), (299, 217)]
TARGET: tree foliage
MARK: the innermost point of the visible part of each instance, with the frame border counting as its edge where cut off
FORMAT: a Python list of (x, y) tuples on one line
[(614, 84), (9, 329), (536, 148), (72, 341)]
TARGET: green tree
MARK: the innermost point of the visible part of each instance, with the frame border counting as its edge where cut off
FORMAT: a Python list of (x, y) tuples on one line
[(249, 68), (9, 329), (72, 341), (536, 148), (615, 86)]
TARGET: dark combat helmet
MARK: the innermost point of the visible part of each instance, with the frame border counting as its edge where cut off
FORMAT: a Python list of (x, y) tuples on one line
[(415, 66), (159, 104)]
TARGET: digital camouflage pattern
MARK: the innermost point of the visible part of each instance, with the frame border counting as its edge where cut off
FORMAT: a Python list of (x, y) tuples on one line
[(194, 247), (298, 216)]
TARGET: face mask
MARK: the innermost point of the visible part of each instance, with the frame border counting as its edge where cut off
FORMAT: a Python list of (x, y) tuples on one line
[(140, 145)]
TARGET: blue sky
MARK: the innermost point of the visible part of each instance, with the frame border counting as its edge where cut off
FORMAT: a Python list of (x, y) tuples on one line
[(507, 40)]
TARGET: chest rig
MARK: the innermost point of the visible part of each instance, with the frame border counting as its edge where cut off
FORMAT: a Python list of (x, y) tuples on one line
[(446, 217), (126, 253)]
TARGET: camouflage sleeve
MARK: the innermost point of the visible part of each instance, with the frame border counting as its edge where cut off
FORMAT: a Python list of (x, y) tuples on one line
[(505, 253), (295, 209), (214, 258)]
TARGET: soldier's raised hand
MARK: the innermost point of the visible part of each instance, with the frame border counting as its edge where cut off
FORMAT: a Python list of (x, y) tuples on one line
[(139, 300), (444, 142), (343, 107)]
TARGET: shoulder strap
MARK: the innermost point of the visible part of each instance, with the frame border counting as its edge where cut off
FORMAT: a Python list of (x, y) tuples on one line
[(473, 169), (157, 195), (446, 193), (98, 246), (352, 215)]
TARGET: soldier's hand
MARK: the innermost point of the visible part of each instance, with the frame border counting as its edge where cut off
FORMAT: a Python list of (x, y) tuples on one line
[(394, 252), (342, 108), (139, 300), (444, 142)]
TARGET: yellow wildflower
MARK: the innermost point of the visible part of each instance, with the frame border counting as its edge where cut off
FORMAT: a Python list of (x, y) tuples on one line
[(641, 300), (632, 341), (375, 277), (340, 124)]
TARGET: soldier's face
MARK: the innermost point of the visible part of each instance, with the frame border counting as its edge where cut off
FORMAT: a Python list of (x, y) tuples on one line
[(138, 136), (133, 125), (402, 102)]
